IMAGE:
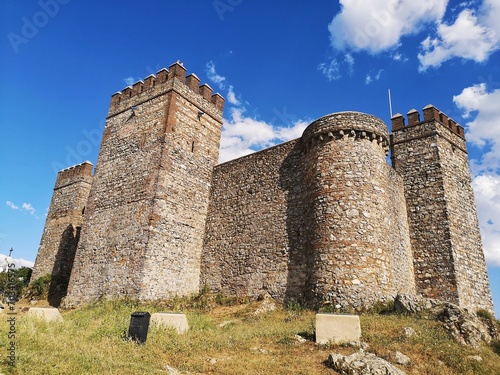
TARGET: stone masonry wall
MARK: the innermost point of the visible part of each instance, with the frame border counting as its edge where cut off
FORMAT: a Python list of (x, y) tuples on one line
[(319, 225), (448, 258), (255, 236), (360, 248), (62, 228), (177, 223), (468, 258), (144, 223)]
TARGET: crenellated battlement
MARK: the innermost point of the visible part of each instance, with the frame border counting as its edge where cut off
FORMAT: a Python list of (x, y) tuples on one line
[(430, 113), (164, 80), (347, 124), (75, 173)]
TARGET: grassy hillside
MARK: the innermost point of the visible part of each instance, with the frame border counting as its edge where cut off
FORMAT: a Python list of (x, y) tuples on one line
[(226, 337)]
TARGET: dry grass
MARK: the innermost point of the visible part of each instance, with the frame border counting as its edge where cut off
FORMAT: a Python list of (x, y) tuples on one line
[(226, 337)]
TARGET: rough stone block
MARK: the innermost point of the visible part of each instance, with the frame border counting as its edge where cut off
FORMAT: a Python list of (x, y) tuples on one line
[(175, 320), (337, 328), (50, 314)]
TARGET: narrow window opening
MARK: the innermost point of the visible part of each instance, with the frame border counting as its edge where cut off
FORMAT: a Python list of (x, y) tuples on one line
[(192, 146)]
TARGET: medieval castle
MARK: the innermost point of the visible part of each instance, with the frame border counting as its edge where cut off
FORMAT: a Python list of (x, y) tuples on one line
[(323, 218)]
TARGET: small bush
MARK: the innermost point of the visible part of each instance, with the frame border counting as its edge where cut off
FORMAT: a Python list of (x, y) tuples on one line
[(485, 314), (40, 287), (382, 307), (294, 305), (495, 345)]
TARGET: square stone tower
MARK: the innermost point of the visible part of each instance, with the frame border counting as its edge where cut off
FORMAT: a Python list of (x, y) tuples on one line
[(431, 156), (144, 223), (62, 228)]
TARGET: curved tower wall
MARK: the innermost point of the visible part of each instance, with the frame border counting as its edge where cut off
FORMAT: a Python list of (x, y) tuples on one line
[(350, 188)]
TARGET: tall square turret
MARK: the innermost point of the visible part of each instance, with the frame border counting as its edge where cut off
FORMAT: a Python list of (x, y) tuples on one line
[(145, 219), (431, 156)]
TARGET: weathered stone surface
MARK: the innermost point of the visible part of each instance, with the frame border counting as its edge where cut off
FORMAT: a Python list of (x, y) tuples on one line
[(337, 328), (174, 320), (409, 332), (431, 156), (362, 363), (172, 370), (329, 240), (146, 212), (411, 304), (267, 304), (62, 229), (467, 328), (50, 314)]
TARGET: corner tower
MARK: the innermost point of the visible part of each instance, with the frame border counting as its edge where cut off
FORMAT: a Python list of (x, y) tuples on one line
[(431, 156), (145, 220), (62, 228), (359, 247)]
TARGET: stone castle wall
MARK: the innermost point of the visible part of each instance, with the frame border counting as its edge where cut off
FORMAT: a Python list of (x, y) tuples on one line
[(256, 231), (323, 219), (309, 219)]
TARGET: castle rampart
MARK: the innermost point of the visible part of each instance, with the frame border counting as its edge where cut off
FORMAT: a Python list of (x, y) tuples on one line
[(323, 219), (331, 240)]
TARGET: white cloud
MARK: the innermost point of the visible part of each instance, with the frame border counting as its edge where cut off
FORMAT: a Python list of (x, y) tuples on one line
[(487, 194), (213, 76), (466, 38), (483, 130), (28, 208), (5, 260), (12, 205), (330, 70), (231, 96), (129, 81), (370, 78), (243, 135), (378, 25)]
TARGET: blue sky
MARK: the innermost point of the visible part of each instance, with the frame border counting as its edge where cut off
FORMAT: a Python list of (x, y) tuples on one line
[(279, 64)]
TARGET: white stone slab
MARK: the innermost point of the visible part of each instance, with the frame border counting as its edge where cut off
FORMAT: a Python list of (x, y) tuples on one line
[(50, 314), (337, 328), (175, 320)]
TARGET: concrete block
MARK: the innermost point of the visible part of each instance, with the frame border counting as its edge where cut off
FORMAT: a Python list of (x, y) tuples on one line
[(337, 328), (50, 314), (175, 320)]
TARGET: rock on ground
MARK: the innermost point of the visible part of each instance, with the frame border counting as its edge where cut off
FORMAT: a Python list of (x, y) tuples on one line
[(362, 363), (402, 359), (466, 328)]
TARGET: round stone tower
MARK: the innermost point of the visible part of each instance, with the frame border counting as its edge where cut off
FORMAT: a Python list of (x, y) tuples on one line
[(351, 226)]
